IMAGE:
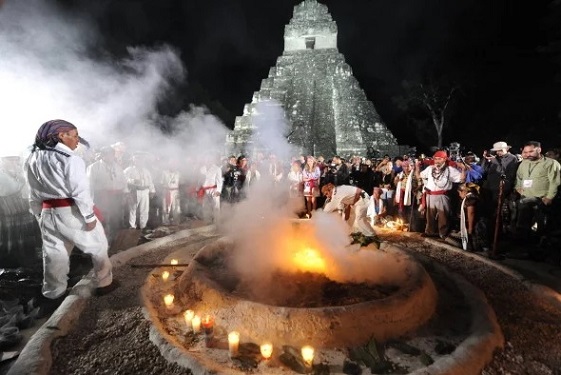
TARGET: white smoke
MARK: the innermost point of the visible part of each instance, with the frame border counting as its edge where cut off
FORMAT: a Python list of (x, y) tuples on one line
[(263, 225), (52, 67)]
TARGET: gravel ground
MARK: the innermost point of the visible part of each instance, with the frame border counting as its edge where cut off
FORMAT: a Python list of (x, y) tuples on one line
[(531, 326), (112, 334)]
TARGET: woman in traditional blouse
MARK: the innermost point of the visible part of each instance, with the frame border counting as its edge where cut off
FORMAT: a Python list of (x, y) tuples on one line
[(310, 176)]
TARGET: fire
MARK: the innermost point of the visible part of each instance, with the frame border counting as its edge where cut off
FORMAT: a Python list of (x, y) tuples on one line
[(396, 225), (308, 259)]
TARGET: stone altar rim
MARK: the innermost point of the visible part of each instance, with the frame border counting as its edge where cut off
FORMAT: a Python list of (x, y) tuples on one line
[(412, 305)]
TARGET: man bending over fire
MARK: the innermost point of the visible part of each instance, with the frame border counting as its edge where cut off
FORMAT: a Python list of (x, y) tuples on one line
[(350, 201)]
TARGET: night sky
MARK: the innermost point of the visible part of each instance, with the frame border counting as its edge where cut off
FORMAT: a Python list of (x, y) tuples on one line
[(494, 50)]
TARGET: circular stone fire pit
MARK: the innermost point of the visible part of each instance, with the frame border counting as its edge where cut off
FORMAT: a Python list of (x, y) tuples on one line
[(351, 314)]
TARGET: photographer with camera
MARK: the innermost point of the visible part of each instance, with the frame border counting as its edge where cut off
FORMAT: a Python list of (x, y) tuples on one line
[(474, 171), (338, 173)]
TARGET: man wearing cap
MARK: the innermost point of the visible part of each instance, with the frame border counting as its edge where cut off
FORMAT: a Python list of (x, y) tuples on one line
[(438, 180), (537, 181), (497, 165), (59, 196)]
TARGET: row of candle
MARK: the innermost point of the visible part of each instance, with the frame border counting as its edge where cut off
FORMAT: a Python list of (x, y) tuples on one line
[(234, 337), (266, 349)]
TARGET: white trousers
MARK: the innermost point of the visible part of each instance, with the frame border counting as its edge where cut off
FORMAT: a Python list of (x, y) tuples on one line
[(61, 229), (139, 200), (211, 205), (358, 220), (171, 206), (215, 199)]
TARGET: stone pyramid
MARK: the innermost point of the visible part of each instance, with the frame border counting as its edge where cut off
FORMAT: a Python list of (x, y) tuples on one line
[(326, 110)]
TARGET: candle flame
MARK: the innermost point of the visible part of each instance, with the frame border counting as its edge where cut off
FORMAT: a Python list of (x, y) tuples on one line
[(308, 354), (165, 276), (207, 321), (266, 350), (168, 299), (234, 337)]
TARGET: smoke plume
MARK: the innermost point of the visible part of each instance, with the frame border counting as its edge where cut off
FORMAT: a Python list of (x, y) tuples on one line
[(53, 66)]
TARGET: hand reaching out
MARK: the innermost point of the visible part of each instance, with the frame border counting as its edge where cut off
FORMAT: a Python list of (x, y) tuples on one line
[(91, 226)]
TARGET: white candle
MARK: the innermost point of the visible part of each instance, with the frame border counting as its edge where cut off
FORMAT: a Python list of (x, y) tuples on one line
[(165, 276), (174, 262), (188, 315), (233, 343), (168, 300), (308, 355), (266, 350), (196, 324)]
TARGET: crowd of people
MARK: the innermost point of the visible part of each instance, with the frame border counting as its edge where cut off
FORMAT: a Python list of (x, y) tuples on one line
[(433, 195), (436, 195), (512, 196)]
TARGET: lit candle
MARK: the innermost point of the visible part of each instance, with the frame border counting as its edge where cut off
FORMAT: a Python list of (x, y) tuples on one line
[(233, 343), (207, 322), (174, 262), (168, 300), (196, 324), (165, 276), (266, 350), (308, 355), (208, 330), (188, 315)]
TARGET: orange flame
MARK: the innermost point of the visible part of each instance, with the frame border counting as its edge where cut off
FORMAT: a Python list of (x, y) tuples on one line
[(309, 260)]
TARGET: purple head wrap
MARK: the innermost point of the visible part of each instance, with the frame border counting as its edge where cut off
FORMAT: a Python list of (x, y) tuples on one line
[(47, 135), (53, 127)]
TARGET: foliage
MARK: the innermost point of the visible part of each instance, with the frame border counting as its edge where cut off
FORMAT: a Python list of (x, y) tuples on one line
[(373, 357), (363, 240)]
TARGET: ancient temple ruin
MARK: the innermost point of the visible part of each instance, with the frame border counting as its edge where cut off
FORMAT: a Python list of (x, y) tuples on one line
[(326, 110)]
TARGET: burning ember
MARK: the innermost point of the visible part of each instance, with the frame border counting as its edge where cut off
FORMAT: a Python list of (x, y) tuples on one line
[(395, 225)]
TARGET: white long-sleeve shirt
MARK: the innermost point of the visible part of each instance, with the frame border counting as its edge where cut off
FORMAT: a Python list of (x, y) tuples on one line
[(58, 174), (139, 178), (106, 176), (343, 195), (170, 179), (212, 176), (444, 181)]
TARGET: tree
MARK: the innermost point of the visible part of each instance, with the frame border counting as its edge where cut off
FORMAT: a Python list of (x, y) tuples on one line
[(433, 97)]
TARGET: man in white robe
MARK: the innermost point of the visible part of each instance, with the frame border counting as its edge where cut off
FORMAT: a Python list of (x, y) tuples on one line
[(59, 197)]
